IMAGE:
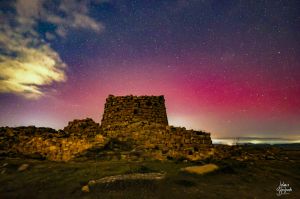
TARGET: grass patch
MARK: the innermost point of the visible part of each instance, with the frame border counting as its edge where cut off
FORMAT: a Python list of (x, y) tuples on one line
[(234, 179), (140, 169), (232, 167), (185, 183)]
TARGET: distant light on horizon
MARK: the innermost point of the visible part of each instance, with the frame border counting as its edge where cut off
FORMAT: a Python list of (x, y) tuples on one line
[(241, 140)]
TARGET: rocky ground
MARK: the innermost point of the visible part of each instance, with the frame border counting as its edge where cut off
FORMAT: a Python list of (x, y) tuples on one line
[(251, 171)]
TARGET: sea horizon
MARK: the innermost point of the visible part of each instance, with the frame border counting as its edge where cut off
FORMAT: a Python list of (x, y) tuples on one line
[(255, 140)]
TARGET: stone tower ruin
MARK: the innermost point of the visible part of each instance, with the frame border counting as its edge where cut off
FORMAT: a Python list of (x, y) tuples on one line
[(142, 122), (125, 110), (132, 128)]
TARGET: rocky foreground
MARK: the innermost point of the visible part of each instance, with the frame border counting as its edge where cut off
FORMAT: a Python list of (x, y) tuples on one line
[(82, 161), (248, 171)]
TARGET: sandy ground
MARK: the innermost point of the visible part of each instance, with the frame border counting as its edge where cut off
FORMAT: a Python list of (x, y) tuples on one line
[(234, 179)]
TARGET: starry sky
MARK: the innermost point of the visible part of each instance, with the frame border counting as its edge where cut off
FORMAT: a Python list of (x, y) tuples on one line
[(228, 67)]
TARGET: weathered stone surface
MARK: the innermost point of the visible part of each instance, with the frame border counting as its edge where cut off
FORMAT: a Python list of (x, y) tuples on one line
[(133, 176), (132, 128), (121, 111), (46, 143), (84, 128), (201, 169), (23, 167), (142, 121), (61, 149), (85, 189)]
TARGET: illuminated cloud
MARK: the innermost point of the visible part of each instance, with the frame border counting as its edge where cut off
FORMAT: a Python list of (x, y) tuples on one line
[(27, 63)]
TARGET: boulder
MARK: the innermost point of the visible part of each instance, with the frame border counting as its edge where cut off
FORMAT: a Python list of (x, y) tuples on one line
[(23, 167), (200, 169), (85, 189)]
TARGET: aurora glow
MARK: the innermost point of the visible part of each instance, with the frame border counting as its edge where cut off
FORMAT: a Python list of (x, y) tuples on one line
[(227, 67)]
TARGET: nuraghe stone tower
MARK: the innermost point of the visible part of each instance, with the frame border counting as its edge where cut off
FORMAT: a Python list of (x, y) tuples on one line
[(132, 128), (125, 110), (142, 121)]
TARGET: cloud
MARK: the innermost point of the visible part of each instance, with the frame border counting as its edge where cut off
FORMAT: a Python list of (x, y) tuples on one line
[(75, 15), (28, 64), (83, 21), (28, 7)]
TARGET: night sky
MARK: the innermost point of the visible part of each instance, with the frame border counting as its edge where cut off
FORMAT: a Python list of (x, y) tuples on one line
[(228, 67)]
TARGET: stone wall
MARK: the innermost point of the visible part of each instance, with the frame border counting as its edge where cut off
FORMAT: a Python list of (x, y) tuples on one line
[(138, 123), (56, 149), (124, 110), (142, 121), (84, 128), (50, 144), (162, 142)]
